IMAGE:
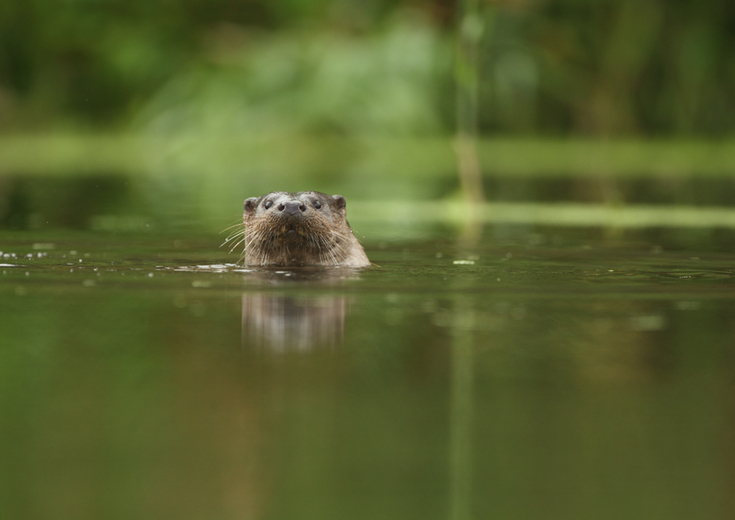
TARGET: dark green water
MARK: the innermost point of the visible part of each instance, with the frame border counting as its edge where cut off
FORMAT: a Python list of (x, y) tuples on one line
[(553, 374)]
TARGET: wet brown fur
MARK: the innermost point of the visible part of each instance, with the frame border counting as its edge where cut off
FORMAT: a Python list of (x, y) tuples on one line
[(307, 228)]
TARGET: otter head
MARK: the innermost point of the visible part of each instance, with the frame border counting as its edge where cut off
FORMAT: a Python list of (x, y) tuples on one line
[(299, 229)]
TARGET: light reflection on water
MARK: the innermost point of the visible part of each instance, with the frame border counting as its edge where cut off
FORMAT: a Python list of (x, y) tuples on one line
[(563, 381)]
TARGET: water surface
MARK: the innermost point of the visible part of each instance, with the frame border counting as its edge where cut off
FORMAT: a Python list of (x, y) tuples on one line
[(530, 373)]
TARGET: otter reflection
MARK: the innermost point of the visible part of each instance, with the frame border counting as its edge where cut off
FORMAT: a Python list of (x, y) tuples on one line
[(295, 319)]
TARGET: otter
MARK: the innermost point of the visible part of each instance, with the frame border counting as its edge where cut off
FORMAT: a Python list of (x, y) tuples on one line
[(307, 228)]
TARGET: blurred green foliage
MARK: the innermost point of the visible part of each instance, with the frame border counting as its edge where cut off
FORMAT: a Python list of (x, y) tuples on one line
[(623, 67), (193, 106)]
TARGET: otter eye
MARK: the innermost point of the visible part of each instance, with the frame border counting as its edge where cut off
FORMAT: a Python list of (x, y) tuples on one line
[(317, 204), (268, 204)]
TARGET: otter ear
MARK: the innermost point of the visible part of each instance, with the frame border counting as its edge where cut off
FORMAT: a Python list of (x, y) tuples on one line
[(339, 202), (250, 205)]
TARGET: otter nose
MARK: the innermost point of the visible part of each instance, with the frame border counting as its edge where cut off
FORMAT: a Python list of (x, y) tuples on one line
[(291, 207)]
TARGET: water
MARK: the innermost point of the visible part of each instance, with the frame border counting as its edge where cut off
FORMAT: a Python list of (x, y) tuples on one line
[(545, 373)]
